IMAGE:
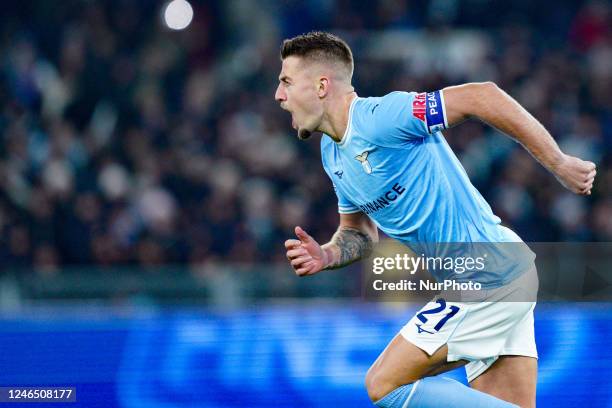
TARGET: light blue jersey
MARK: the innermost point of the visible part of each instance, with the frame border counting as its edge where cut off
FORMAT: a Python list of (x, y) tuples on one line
[(394, 165)]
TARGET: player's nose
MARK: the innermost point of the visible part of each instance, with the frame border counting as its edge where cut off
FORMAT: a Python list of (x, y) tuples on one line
[(279, 95)]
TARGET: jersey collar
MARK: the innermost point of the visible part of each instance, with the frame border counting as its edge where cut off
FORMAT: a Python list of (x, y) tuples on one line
[(348, 133)]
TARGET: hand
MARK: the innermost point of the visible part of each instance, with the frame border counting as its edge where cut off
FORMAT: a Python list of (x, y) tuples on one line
[(306, 255), (574, 174)]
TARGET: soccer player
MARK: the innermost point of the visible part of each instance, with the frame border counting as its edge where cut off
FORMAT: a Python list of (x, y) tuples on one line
[(392, 147)]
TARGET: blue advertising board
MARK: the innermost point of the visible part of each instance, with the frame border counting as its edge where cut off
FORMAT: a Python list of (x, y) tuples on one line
[(292, 355)]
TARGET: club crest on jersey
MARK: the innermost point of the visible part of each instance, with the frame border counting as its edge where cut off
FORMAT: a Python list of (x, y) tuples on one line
[(363, 159)]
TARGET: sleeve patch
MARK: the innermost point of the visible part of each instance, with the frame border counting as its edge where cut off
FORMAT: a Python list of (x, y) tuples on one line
[(418, 106)]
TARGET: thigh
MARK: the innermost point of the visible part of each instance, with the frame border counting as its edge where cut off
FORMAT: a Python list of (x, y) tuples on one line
[(403, 363), (511, 378)]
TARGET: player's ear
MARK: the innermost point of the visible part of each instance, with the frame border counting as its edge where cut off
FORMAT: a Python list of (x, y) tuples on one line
[(323, 87)]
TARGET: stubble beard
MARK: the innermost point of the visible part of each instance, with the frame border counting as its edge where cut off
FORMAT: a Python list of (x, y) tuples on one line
[(303, 134)]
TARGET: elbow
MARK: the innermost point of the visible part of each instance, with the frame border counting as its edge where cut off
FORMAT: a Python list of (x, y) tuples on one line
[(370, 230), (486, 88), (373, 234), (471, 100), (490, 85), (481, 98)]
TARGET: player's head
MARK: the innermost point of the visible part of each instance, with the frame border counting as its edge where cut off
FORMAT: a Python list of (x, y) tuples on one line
[(316, 67)]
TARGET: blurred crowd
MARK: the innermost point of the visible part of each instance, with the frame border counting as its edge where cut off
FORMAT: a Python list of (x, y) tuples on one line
[(123, 142)]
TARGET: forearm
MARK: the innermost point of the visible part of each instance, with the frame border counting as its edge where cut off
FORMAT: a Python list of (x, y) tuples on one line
[(347, 246)]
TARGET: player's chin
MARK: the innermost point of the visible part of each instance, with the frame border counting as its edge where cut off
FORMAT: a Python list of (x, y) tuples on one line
[(303, 134)]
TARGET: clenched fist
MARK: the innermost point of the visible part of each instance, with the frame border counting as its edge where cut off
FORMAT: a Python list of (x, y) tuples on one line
[(575, 174), (305, 254)]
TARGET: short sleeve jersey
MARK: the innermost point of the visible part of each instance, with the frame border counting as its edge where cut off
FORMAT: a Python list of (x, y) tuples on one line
[(394, 164)]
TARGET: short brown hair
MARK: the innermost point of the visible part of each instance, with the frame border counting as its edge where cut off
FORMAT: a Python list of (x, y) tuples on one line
[(319, 46)]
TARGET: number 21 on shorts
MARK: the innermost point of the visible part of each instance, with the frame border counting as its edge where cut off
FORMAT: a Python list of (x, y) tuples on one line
[(435, 315)]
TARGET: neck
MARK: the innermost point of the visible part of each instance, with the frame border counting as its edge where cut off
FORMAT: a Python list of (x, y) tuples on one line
[(335, 121)]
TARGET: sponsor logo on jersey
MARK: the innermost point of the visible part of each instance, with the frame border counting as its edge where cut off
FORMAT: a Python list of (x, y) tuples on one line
[(418, 106), (384, 200), (428, 108)]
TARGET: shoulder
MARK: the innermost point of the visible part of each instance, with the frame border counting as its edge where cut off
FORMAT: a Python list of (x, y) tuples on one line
[(397, 102), (327, 147), (392, 118), (326, 142), (371, 105), (387, 110)]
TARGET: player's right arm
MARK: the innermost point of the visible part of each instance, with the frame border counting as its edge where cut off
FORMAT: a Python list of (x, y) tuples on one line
[(492, 105), (354, 239)]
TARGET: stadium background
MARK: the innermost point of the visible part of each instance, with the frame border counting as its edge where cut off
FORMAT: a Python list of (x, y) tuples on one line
[(148, 181)]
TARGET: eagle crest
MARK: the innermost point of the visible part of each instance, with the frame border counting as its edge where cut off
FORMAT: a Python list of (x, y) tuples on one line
[(363, 159)]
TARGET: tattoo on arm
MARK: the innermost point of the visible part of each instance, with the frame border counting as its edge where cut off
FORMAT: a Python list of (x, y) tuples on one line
[(352, 244)]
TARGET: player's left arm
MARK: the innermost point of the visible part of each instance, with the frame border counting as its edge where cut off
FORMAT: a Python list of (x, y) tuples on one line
[(487, 102)]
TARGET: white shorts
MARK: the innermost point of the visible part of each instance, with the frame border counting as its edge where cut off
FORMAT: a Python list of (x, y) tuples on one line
[(479, 332)]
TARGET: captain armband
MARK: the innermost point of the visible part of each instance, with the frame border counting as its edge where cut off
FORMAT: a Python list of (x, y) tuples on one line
[(429, 108)]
